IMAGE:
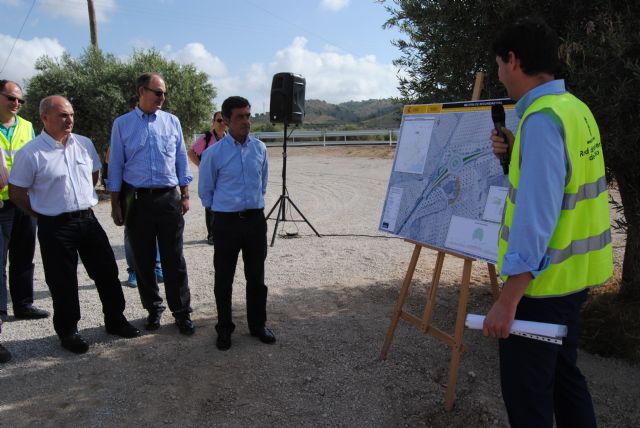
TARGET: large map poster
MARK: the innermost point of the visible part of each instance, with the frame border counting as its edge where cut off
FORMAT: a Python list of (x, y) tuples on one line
[(447, 189)]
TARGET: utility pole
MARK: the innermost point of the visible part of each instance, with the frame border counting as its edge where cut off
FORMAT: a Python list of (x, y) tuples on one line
[(92, 24)]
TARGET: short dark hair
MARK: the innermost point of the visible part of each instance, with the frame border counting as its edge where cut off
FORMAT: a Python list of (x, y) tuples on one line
[(233, 102), (144, 79), (533, 42), (4, 82)]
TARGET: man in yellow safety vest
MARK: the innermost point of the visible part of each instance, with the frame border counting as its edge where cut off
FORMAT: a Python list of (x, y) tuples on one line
[(555, 238)]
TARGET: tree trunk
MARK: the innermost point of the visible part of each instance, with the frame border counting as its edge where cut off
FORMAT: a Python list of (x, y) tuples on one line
[(629, 185)]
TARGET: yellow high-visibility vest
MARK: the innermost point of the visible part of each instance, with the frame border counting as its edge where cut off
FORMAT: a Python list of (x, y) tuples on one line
[(22, 134), (580, 249)]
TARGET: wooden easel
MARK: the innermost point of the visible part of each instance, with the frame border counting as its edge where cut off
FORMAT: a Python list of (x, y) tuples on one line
[(424, 324)]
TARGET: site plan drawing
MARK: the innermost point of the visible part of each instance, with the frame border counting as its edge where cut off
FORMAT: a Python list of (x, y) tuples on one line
[(447, 189)]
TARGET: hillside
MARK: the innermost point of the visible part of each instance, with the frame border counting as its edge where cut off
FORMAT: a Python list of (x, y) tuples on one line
[(382, 113)]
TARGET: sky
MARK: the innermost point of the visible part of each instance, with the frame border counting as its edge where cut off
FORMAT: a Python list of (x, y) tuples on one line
[(339, 46)]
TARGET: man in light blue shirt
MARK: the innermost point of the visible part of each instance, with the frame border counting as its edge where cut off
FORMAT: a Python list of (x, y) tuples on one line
[(540, 382), (147, 164), (232, 184)]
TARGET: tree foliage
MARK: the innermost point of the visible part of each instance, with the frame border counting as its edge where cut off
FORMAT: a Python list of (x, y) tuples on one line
[(448, 41), (99, 86)]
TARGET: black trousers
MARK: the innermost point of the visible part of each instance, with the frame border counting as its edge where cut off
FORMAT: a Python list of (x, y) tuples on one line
[(541, 379), (208, 218), (152, 216), (61, 241), (232, 233), (22, 248), (18, 248)]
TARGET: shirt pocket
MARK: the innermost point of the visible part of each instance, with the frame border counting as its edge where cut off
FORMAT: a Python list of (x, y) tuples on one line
[(85, 175), (168, 144), (256, 170)]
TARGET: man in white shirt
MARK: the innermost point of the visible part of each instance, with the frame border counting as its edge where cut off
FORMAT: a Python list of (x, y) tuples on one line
[(53, 178)]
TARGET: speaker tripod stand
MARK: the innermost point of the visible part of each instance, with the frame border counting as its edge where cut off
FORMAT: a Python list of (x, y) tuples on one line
[(281, 203)]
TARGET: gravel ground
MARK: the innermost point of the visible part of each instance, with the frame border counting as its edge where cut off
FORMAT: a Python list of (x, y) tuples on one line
[(330, 302)]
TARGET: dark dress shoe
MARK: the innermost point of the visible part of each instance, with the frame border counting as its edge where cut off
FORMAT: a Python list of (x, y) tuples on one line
[(224, 340), (264, 334), (125, 330), (185, 325), (5, 355), (74, 343), (30, 313), (153, 321)]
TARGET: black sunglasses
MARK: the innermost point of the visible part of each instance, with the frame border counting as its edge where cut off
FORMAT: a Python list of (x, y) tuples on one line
[(13, 99), (219, 120), (157, 92)]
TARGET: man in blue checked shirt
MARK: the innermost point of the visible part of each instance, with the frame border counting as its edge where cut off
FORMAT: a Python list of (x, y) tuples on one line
[(147, 165), (232, 184)]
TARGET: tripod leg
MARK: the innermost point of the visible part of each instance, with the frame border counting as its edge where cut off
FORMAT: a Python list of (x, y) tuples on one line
[(274, 207), (303, 217), (280, 210)]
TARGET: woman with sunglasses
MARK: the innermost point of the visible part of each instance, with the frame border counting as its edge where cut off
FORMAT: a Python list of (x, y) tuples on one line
[(209, 138)]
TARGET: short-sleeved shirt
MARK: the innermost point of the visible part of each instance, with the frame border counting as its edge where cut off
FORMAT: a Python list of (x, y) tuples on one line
[(59, 178)]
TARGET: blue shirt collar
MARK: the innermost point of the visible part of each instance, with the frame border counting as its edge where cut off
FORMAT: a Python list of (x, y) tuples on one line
[(236, 142), (554, 87), (142, 114)]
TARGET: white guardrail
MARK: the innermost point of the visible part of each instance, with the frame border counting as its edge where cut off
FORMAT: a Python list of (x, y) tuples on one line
[(319, 138)]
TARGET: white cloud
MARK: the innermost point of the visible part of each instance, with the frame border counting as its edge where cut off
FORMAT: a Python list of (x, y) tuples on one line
[(330, 75), (77, 11), (335, 77), (197, 54), (334, 5), (21, 64)]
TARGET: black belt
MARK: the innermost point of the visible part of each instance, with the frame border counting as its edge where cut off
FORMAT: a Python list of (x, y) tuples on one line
[(88, 213), (239, 214), (152, 191)]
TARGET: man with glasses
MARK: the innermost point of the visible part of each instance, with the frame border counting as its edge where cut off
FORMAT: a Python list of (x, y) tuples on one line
[(17, 229), (147, 164)]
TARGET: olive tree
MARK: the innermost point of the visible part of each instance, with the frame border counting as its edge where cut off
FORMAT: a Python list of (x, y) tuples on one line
[(99, 86)]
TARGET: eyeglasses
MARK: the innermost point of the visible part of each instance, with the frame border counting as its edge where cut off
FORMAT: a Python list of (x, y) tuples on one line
[(219, 120), (13, 99), (158, 93)]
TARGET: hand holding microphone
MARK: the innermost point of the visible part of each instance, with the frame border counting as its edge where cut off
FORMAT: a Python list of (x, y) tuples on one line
[(501, 140)]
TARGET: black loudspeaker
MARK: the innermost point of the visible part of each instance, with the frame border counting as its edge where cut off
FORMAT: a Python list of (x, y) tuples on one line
[(287, 98)]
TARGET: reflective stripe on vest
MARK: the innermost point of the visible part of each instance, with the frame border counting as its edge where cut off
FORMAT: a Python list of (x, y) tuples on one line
[(579, 251), (22, 134), (569, 201), (579, 246)]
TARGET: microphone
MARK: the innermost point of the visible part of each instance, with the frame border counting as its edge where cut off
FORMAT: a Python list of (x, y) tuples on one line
[(498, 117)]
